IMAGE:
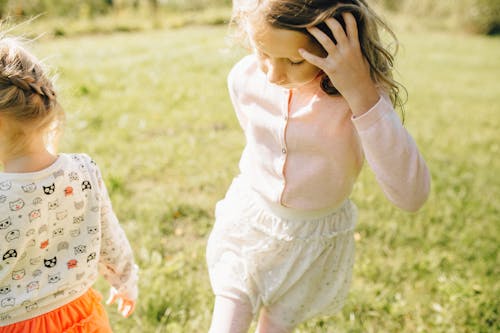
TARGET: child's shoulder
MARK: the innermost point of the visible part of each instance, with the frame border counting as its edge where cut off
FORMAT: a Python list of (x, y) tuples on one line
[(242, 72), (244, 67)]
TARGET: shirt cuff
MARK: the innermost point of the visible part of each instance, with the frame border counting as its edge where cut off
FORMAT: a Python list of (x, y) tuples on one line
[(370, 117)]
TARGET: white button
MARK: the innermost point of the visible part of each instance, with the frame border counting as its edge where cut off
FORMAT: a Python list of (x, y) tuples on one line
[(283, 151)]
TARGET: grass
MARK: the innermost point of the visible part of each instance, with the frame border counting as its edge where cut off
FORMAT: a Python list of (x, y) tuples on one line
[(151, 107)]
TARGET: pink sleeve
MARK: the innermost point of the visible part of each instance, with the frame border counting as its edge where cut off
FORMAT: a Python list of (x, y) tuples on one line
[(393, 155)]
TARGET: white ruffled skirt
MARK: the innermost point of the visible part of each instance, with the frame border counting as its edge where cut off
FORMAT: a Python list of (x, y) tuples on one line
[(296, 264)]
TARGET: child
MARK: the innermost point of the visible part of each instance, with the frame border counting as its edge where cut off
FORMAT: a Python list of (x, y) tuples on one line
[(314, 99), (57, 227)]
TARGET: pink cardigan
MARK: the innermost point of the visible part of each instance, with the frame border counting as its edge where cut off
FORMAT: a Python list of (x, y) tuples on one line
[(304, 149)]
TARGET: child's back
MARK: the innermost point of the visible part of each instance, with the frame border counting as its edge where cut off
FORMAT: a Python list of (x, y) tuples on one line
[(58, 231)]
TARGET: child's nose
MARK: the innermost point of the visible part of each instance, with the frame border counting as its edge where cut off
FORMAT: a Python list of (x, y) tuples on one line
[(275, 73)]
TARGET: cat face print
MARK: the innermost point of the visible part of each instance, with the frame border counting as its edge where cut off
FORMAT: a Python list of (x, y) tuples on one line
[(68, 191), (11, 253), (5, 185), (32, 286), (29, 306), (86, 186), (91, 256), (16, 205), (61, 215), (54, 278), (50, 263), (62, 246), (74, 232), (5, 290), (53, 204), (8, 302), (57, 232), (48, 190), (5, 223), (18, 275), (92, 230), (11, 235), (80, 249), (34, 214), (72, 263), (78, 219), (73, 176), (30, 188)]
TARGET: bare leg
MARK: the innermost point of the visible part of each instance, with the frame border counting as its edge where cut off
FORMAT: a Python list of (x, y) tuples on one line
[(266, 325), (231, 316)]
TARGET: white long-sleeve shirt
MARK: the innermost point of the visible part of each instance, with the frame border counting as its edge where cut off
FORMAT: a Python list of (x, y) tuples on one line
[(58, 231), (304, 149)]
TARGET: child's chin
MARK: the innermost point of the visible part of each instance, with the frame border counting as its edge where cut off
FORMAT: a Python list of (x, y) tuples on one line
[(292, 85)]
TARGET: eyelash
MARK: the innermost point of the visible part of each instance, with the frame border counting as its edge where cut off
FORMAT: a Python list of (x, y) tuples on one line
[(296, 63)]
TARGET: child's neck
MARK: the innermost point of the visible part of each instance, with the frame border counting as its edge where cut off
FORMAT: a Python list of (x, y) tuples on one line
[(31, 161)]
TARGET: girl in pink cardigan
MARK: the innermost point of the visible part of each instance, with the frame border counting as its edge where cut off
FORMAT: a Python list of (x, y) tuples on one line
[(314, 100)]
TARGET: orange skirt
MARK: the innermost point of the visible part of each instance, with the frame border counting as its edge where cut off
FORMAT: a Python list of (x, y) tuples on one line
[(85, 314)]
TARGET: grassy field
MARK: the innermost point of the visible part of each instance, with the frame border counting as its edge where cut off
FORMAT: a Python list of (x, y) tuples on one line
[(152, 109)]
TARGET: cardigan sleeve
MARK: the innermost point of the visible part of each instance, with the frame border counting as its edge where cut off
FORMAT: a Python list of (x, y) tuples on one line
[(393, 156), (116, 260), (235, 81)]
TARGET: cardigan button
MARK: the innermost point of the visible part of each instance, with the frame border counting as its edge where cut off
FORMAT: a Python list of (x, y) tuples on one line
[(283, 151)]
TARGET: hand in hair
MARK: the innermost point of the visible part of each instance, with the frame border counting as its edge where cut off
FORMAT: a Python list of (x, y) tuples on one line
[(345, 63)]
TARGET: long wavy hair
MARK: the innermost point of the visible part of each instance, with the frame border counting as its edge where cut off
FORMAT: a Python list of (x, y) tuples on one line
[(27, 97), (298, 15)]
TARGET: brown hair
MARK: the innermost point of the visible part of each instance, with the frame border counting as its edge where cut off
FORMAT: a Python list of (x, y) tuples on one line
[(27, 95), (298, 15)]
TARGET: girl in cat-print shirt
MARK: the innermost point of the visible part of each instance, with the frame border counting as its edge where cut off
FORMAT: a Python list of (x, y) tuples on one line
[(58, 231)]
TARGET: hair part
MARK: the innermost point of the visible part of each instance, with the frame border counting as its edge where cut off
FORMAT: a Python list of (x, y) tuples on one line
[(27, 97), (298, 15)]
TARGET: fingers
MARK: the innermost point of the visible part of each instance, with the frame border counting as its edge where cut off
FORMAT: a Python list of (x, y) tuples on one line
[(337, 31), (342, 37), (126, 307), (323, 40), (312, 58), (351, 27), (113, 295)]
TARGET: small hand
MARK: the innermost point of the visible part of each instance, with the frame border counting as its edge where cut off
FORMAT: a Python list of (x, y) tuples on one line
[(345, 63), (126, 306)]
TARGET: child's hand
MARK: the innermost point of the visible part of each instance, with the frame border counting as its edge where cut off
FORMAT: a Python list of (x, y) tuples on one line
[(345, 64), (125, 305)]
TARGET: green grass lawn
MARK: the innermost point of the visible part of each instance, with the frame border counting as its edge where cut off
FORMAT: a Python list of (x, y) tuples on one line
[(151, 107)]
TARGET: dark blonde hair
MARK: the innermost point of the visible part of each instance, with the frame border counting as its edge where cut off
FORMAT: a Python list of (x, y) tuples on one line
[(298, 15), (27, 96)]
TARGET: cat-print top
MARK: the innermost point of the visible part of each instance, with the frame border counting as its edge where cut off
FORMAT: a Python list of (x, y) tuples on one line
[(58, 231)]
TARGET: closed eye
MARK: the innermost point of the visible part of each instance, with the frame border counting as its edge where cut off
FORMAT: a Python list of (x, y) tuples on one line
[(296, 63)]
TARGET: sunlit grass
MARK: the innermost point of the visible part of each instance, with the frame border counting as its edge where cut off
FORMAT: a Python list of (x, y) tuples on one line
[(152, 109)]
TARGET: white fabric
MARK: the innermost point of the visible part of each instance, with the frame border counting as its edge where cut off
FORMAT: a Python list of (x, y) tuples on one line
[(58, 231), (296, 267)]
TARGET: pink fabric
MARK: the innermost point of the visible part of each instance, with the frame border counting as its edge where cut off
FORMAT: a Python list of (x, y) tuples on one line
[(305, 150)]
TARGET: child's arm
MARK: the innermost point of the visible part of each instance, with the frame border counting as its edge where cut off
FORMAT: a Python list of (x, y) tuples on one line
[(116, 261), (393, 155), (389, 149)]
